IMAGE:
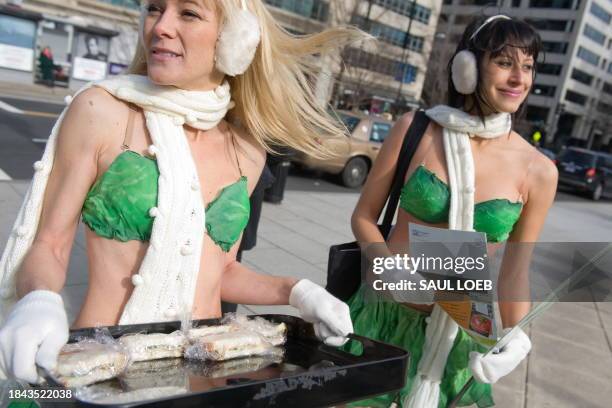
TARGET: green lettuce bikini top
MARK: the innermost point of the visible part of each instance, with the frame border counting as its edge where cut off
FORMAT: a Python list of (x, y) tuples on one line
[(427, 198), (117, 206)]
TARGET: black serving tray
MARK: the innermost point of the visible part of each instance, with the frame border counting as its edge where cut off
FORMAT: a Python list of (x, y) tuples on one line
[(310, 374)]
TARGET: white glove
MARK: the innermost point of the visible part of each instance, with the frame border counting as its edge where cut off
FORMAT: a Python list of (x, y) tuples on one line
[(330, 316), (33, 333), (489, 369)]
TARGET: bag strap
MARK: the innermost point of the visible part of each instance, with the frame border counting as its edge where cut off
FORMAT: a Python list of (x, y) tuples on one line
[(412, 138)]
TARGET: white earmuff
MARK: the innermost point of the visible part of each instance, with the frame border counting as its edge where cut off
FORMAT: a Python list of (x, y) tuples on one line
[(237, 43), (464, 68)]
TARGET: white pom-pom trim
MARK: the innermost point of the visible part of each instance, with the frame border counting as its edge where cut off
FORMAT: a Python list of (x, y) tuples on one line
[(67, 99), (153, 212), (153, 150), (137, 280), (21, 231), (38, 165), (7, 293)]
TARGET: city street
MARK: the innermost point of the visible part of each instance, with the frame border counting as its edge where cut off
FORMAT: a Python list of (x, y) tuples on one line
[(569, 365)]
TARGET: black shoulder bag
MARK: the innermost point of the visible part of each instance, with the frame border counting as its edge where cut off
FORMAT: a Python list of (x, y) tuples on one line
[(344, 262)]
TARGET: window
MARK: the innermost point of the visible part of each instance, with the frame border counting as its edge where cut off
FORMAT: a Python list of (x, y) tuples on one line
[(350, 122), (562, 4), (389, 34), (600, 13), (594, 34), (550, 25), (406, 73), (516, 3), (604, 107), (610, 68), (380, 131), (420, 13), (314, 9), (582, 77), (124, 3), (537, 113), (543, 90), (588, 56), (377, 63), (549, 69), (575, 97), (17, 32), (554, 47), (17, 39), (475, 2), (607, 88)]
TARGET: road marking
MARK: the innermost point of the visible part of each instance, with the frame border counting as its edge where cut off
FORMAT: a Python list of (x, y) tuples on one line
[(41, 114), (9, 108), (4, 176), (38, 100), (37, 140)]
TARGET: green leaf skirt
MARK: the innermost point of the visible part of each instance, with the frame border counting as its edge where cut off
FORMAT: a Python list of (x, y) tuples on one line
[(393, 323)]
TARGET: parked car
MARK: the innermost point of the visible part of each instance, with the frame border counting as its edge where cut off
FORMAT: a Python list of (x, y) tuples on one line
[(353, 155), (586, 170)]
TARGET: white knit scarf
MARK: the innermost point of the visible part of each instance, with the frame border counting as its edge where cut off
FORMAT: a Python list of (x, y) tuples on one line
[(165, 283), (442, 329)]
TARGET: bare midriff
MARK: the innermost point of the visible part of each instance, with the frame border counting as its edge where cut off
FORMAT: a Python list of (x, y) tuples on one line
[(111, 265)]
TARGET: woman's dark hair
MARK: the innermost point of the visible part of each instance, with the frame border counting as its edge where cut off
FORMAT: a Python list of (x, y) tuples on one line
[(497, 37)]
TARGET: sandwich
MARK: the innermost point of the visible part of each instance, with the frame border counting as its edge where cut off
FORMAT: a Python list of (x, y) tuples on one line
[(144, 347), (88, 362), (226, 346)]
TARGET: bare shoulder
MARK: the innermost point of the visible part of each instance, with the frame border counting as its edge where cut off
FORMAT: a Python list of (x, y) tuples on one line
[(249, 146), (402, 124), (542, 173), (94, 116), (97, 103)]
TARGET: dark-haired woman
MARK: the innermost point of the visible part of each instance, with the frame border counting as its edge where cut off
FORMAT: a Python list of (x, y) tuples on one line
[(468, 154)]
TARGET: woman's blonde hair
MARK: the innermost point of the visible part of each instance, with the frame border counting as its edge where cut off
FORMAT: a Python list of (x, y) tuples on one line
[(274, 99)]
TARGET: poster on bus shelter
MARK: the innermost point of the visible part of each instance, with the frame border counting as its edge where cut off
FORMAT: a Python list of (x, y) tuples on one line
[(91, 54)]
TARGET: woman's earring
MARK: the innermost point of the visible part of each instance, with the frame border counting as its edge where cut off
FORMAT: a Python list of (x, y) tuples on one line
[(464, 72), (237, 42)]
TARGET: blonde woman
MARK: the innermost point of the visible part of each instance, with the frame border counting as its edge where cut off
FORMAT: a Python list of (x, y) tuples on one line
[(159, 165)]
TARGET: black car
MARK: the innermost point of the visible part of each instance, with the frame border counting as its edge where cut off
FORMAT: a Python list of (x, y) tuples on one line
[(586, 170)]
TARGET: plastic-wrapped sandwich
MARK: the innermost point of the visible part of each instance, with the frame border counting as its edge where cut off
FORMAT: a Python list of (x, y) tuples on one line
[(88, 362), (154, 346), (225, 346), (240, 337)]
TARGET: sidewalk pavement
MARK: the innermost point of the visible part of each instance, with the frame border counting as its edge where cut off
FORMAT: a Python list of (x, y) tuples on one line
[(36, 92)]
